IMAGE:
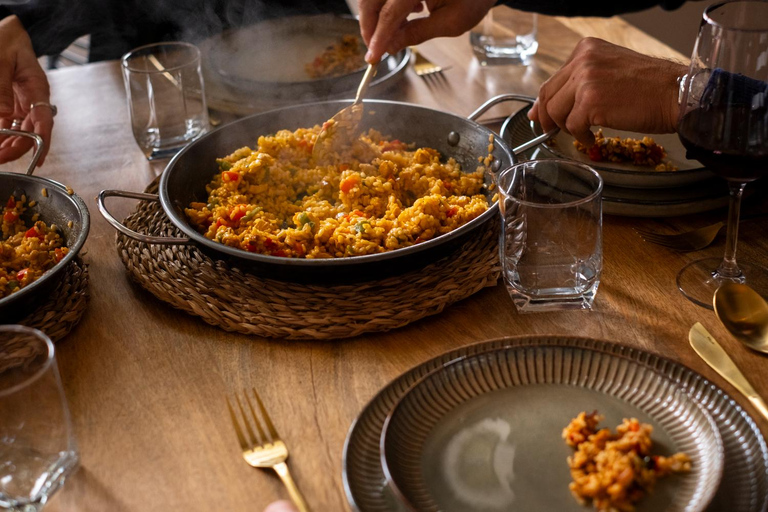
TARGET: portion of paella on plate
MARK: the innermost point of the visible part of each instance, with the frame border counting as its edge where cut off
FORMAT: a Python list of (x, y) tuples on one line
[(340, 58), (26, 251), (384, 195), (643, 152), (614, 471)]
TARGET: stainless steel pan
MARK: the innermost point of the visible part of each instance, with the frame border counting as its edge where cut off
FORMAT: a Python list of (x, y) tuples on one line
[(54, 206), (186, 176)]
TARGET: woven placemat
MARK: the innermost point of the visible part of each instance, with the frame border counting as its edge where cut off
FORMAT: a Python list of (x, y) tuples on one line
[(233, 300), (65, 306)]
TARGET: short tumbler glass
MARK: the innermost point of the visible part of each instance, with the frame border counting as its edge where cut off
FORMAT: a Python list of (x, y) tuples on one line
[(37, 446), (505, 36), (551, 238), (166, 97)]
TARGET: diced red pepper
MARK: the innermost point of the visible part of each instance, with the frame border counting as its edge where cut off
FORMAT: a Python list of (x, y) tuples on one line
[(34, 233), (343, 167), (347, 184), (392, 145), (21, 274), (594, 153), (11, 203), (252, 247), (305, 144), (280, 253), (237, 215), (269, 243), (10, 217), (453, 210), (59, 254), (298, 248), (230, 176)]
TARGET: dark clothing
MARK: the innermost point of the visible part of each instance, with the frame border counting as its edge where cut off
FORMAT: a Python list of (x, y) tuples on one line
[(117, 26), (599, 8)]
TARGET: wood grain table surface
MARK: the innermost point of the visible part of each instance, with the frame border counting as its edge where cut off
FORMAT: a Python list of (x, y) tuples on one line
[(146, 383)]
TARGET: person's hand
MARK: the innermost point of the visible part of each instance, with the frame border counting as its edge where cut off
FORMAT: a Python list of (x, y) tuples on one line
[(22, 83), (385, 28), (281, 506), (602, 84)]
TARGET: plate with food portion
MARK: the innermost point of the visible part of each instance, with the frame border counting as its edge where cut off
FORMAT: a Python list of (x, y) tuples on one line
[(520, 423), (523, 428), (287, 61), (630, 159)]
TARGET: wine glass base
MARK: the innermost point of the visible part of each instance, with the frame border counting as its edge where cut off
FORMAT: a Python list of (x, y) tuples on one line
[(699, 280)]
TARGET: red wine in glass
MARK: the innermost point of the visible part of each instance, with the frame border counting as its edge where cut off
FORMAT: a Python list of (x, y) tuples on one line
[(723, 124), (719, 138)]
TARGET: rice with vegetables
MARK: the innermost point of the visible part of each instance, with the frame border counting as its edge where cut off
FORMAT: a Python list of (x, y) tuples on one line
[(645, 152), (614, 471), (26, 252), (341, 58), (383, 195)]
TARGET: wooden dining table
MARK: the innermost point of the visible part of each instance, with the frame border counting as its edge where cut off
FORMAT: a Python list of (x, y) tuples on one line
[(146, 383)]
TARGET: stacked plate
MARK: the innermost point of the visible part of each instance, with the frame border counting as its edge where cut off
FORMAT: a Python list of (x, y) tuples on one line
[(479, 428), (263, 66), (631, 190)]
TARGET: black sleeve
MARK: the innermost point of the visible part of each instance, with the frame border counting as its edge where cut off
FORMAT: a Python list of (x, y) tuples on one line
[(595, 8), (55, 24)]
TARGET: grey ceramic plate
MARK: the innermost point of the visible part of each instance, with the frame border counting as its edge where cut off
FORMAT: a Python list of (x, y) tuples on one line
[(484, 432), (744, 485), (633, 176), (696, 197), (242, 81)]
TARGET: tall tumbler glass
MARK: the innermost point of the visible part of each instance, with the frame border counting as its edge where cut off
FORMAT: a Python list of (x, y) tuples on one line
[(551, 240), (37, 446), (166, 97)]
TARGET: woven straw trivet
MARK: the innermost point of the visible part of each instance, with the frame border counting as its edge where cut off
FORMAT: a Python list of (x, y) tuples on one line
[(237, 301), (65, 306)]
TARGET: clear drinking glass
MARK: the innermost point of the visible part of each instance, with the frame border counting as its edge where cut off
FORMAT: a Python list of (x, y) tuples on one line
[(724, 125), (37, 446), (166, 97), (551, 239), (505, 37)]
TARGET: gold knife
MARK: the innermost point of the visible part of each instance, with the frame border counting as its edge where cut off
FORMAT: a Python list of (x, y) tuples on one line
[(714, 355)]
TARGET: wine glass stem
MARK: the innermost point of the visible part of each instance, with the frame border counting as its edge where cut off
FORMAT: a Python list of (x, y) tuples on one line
[(729, 269)]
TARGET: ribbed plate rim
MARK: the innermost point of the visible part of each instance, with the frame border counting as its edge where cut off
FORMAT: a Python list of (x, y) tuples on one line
[(716, 401), (635, 398)]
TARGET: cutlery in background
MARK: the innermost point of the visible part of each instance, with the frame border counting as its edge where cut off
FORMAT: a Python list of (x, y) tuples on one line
[(744, 313), (714, 355)]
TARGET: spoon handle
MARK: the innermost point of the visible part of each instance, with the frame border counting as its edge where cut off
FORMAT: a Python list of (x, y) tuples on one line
[(713, 354), (365, 82)]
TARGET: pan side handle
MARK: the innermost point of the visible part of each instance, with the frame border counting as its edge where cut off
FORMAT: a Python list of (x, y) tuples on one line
[(36, 139), (513, 97), (129, 232)]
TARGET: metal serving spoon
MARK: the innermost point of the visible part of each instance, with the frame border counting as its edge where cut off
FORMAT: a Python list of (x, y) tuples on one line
[(744, 313), (342, 129)]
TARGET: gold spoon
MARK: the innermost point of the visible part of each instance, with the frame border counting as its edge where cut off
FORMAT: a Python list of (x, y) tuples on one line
[(744, 313), (341, 130)]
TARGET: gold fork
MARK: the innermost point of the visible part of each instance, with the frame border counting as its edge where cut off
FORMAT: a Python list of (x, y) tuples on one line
[(423, 66), (262, 451)]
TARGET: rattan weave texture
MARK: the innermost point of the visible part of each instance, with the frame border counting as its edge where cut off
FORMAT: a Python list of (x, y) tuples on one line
[(66, 304), (238, 301)]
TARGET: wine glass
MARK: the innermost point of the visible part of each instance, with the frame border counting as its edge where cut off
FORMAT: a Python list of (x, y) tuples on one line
[(37, 447), (724, 125)]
